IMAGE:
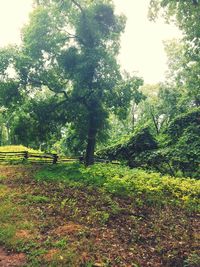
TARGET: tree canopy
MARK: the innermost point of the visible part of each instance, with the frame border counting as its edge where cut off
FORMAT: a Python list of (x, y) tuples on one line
[(70, 47), (63, 87)]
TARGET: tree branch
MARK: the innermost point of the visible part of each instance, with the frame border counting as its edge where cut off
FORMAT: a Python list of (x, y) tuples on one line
[(45, 83), (82, 100), (56, 92), (75, 37), (60, 103), (78, 5)]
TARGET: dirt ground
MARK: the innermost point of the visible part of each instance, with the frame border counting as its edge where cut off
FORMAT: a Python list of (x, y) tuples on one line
[(11, 259), (74, 227)]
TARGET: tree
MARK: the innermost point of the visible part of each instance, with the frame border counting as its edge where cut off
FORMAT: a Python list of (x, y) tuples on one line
[(70, 47), (183, 73), (37, 123), (186, 15)]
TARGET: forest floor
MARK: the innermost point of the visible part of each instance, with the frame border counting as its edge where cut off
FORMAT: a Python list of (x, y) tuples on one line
[(54, 224)]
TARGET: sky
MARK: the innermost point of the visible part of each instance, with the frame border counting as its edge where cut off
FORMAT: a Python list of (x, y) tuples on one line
[(142, 50)]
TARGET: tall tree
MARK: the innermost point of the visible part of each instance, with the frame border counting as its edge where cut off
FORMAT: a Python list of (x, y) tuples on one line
[(70, 47), (186, 16)]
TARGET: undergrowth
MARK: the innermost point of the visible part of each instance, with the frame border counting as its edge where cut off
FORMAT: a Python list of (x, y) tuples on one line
[(104, 215), (147, 188)]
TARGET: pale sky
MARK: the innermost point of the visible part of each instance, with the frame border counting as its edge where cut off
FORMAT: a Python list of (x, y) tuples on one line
[(142, 49)]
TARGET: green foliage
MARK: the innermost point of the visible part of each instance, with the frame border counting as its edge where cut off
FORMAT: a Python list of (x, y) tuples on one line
[(184, 135), (9, 93), (145, 188), (36, 199), (129, 148), (183, 69), (179, 152), (88, 63), (186, 15), (71, 49), (182, 122), (36, 123), (192, 261), (162, 105), (176, 152)]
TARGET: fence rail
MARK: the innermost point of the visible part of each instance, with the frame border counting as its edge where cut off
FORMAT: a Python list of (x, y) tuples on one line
[(42, 158), (34, 157)]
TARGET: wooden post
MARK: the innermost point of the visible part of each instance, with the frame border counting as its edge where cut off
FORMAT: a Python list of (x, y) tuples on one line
[(55, 158), (26, 155), (81, 159)]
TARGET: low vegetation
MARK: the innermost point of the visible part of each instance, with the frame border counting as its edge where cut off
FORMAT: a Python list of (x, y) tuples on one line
[(146, 188), (104, 215), (17, 148)]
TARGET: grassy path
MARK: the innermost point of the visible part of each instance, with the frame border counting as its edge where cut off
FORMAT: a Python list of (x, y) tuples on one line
[(54, 224)]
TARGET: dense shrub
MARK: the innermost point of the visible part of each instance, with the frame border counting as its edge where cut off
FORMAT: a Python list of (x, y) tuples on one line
[(184, 136), (178, 126), (128, 150), (177, 154)]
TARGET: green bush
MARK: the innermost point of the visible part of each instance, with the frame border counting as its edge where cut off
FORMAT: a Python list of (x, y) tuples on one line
[(181, 123), (182, 153), (136, 144), (177, 153), (146, 188)]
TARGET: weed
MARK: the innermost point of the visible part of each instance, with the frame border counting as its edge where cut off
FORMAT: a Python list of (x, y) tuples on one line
[(147, 188), (62, 243), (100, 217), (193, 260), (37, 199)]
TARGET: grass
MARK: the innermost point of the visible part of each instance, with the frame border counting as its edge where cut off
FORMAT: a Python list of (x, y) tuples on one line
[(146, 188), (18, 158), (17, 148), (11, 217), (104, 215)]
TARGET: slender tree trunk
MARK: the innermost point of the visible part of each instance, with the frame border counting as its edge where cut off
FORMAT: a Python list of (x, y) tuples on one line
[(155, 122), (197, 102), (133, 110), (92, 131)]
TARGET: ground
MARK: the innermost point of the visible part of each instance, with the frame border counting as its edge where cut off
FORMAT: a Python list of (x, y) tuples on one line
[(55, 224)]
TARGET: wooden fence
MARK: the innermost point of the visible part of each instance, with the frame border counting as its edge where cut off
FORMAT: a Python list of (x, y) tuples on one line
[(40, 158), (24, 156)]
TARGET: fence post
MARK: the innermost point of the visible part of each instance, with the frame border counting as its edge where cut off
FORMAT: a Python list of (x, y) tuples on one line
[(26, 155), (81, 159), (55, 158)]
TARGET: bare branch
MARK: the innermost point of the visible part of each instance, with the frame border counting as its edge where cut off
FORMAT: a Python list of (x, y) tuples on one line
[(78, 5), (73, 36)]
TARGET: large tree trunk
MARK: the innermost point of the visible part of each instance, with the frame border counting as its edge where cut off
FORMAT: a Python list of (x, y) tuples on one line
[(92, 131)]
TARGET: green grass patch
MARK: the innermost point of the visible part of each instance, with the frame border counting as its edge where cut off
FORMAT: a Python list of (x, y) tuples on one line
[(18, 148), (147, 188), (35, 199), (12, 217)]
